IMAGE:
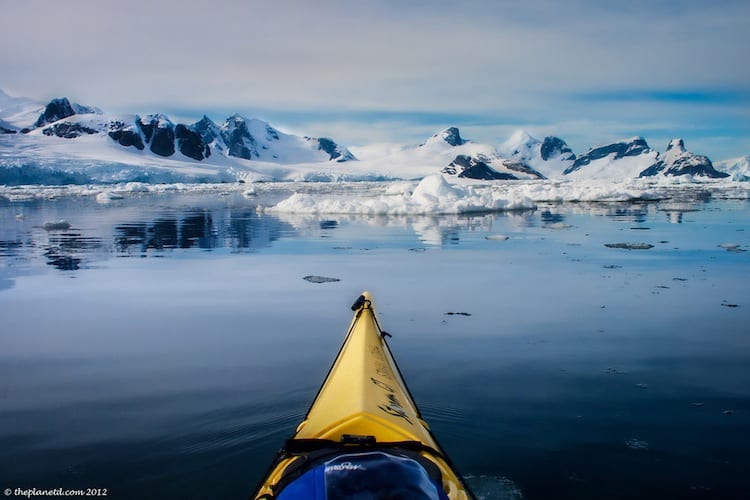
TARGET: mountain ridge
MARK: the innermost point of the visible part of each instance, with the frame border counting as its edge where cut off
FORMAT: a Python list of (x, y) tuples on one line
[(63, 132)]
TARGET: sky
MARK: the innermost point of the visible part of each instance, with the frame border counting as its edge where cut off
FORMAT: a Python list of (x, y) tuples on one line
[(370, 71)]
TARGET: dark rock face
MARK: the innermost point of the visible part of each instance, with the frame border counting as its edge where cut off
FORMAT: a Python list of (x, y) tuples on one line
[(472, 168), (654, 169), (522, 168), (329, 147), (68, 130), (162, 143), (452, 136), (159, 133), (206, 128), (678, 161), (334, 151), (697, 165), (4, 130), (554, 146), (125, 135), (209, 132), (238, 138), (620, 150), (57, 109), (147, 127), (271, 134), (190, 143)]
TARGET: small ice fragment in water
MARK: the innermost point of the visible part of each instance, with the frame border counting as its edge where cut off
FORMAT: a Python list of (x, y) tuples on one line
[(732, 247), (557, 225), (107, 196), (728, 412), (496, 237), (56, 226), (642, 386), (611, 266), (320, 279), (630, 246), (636, 444), (697, 404), (20, 217)]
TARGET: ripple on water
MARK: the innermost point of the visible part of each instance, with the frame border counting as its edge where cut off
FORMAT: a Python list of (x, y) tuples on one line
[(493, 488)]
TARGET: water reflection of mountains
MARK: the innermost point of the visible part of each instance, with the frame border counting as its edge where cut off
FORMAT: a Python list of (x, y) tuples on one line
[(240, 230), (243, 229)]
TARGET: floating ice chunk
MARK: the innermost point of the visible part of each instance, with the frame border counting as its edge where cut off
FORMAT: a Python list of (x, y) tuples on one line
[(496, 237), (108, 196), (732, 247), (557, 225), (60, 225), (630, 246), (320, 279), (433, 195)]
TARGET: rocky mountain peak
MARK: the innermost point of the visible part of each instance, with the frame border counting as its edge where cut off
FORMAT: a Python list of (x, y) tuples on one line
[(679, 161), (450, 136), (60, 108), (677, 145), (553, 147)]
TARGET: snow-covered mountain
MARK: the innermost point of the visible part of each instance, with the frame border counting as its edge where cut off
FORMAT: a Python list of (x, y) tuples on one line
[(58, 109), (447, 152), (737, 168), (63, 140), (618, 160), (64, 135), (254, 139), (17, 113), (678, 161), (474, 167), (445, 138), (549, 157)]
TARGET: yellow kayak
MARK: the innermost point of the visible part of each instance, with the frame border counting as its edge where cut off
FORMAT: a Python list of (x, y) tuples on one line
[(363, 437)]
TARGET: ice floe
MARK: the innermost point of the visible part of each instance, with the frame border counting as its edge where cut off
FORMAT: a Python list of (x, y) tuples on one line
[(433, 195)]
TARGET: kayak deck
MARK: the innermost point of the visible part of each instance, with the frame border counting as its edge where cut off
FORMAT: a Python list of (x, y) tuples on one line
[(363, 405), (364, 393)]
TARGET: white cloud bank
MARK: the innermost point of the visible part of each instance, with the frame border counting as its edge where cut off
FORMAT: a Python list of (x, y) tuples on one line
[(539, 63)]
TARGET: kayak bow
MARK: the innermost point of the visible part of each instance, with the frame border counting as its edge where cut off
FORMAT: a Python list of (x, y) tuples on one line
[(363, 435)]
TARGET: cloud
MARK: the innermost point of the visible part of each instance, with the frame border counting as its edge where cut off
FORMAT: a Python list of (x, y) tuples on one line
[(490, 62)]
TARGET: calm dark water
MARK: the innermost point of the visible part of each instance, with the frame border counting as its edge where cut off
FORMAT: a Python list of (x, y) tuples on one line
[(164, 346)]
